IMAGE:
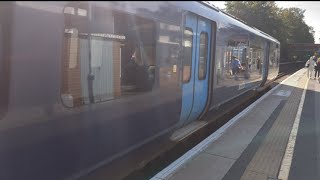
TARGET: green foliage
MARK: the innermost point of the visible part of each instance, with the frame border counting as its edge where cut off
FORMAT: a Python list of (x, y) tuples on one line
[(285, 24)]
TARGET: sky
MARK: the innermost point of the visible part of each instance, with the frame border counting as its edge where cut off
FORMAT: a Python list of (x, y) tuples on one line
[(311, 16)]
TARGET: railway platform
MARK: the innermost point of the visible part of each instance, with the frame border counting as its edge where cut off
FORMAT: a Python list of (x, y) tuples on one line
[(276, 137)]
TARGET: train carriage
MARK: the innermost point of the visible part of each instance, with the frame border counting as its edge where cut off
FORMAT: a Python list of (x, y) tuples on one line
[(83, 83)]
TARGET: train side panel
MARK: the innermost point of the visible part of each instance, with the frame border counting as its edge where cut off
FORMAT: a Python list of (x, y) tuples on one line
[(68, 110)]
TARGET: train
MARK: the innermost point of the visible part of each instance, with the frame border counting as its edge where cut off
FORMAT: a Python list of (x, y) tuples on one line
[(84, 83)]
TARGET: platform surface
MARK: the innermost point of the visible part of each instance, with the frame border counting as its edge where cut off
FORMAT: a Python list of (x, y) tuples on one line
[(276, 137)]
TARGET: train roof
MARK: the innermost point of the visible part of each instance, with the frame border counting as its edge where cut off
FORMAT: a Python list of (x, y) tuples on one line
[(252, 28)]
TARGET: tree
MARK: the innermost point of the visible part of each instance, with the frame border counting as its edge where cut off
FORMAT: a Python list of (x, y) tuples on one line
[(298, 30)]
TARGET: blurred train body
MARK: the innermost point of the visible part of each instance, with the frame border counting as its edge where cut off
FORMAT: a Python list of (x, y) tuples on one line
[(83, 83)]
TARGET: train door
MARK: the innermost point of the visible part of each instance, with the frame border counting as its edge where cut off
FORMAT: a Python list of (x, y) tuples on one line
[(197, 38)]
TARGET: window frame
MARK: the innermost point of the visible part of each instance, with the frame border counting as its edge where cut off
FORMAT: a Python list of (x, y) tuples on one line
[(190, 72), (206, 56)]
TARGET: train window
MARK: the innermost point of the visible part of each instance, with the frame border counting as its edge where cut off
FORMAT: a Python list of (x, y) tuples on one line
[(187, 54), (203, 53), (107, 55), (168, 46)]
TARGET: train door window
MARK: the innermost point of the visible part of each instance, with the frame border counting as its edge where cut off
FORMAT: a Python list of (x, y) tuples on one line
[(108, 54), (187, 54), (203, 53)]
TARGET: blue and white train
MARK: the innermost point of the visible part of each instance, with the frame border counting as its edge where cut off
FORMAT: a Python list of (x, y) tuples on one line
[(84, 83)]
